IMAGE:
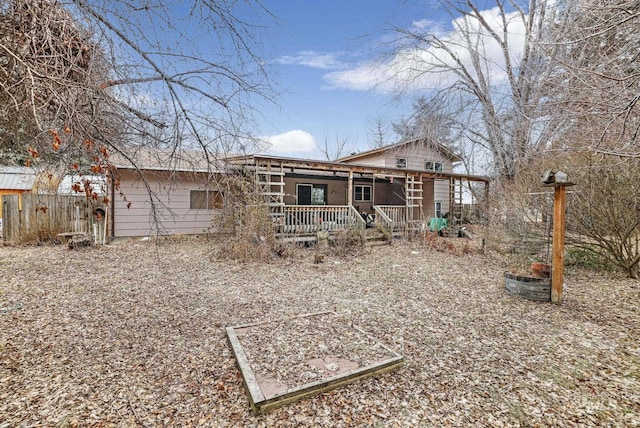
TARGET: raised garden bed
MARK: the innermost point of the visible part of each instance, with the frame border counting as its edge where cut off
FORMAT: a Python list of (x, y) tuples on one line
[(286, 360)]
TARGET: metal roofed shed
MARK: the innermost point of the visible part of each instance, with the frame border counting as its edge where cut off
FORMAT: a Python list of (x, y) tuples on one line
[(16, 178)]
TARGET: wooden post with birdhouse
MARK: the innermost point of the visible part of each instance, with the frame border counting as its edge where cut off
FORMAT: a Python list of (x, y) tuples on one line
[(558, 180)]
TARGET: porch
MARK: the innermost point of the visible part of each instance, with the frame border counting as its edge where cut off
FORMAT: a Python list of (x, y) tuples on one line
[(310, 219), (305, 197)]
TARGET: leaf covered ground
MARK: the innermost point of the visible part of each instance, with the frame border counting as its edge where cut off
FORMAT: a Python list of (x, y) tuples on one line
[(133, 335)]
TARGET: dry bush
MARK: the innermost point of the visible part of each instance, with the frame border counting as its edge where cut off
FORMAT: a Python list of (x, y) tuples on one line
[(42, 233), (521, 217), (433, 241), (245, 225), (348, 242), (602, 210)]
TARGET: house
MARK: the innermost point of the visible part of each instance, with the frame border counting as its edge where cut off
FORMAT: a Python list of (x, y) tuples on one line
[(166, 192), (399, 186), (417, 154)]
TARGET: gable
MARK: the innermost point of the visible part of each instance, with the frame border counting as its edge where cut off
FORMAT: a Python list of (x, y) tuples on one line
[(422, 147), (413, 153)]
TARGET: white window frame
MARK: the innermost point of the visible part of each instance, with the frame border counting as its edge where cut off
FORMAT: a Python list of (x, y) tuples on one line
[(438, 209), (401, 162), (433, 166), (362, 193)]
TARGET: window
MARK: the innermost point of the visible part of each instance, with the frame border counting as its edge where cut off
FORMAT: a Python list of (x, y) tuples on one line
[(311, 194), (401, 162), (205, 199), (438, 209), (361, 193), (433, 166)]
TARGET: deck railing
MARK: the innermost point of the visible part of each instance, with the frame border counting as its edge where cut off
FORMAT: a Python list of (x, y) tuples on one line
[(395, 218), (315, 218)]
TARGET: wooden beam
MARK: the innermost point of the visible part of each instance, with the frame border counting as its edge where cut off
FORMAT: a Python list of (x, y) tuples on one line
[(350, 189), (557, 273), (251, 384), (317, 165)]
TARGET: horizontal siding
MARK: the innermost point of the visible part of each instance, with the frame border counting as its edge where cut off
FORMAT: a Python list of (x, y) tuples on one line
[(416, 154), (173, 214), (441, 194)]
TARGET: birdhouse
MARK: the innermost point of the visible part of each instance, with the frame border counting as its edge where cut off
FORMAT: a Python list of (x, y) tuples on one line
[(551, 178)]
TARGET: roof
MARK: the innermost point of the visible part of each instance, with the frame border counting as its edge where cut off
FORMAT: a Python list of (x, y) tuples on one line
[(97, 182), (17, 178), (179, 160), (441, 148), (337, 166)]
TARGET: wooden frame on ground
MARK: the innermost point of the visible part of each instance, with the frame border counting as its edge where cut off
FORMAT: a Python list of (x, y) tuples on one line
[(263, 399)]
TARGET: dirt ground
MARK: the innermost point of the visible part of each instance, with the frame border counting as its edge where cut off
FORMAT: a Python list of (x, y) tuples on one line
[(133, 335)]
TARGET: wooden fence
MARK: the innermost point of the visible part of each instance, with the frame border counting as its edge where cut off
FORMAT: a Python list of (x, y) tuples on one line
[(42, 217)]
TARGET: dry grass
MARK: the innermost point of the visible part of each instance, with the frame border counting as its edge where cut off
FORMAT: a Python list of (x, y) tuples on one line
[(132, 334)]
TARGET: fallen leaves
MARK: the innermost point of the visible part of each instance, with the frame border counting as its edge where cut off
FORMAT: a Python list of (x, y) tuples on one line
[(136, 337)]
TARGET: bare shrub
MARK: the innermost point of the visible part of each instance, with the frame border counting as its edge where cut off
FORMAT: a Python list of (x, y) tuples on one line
[(434, 242), (348, 242), (41, 233), (602, 210), (247, 228)]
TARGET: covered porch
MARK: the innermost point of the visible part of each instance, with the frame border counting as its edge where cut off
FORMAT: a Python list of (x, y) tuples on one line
[(305, 197)]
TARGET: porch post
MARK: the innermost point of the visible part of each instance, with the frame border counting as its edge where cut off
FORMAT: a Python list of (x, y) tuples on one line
[(407, 191), (350, 189), (373, 192)]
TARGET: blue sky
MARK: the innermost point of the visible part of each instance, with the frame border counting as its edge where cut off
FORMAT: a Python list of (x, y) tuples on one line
[(329, 61), (315, 50)]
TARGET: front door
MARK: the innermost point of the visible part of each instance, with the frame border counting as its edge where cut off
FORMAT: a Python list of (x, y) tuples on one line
[(304, 194)]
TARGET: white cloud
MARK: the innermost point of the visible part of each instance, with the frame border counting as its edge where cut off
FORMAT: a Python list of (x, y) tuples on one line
[(313, 59), (419, 67), (291, 141)]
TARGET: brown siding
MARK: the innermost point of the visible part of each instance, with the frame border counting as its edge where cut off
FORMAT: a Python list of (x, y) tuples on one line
[(429, 206), (336, 190)]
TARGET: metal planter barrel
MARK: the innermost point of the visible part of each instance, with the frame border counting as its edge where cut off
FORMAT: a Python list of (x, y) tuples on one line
[(528, 287)]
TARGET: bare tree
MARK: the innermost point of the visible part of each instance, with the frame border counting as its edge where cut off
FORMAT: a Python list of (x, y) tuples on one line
[(50, 87), (162, 74), (378, 133), (340, 146), (496, 75), (598, 76)]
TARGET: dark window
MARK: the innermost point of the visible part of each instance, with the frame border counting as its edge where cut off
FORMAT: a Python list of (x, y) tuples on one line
[(433, 166), (438, 209), (361, 193), (205, 199), (401, 162)]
